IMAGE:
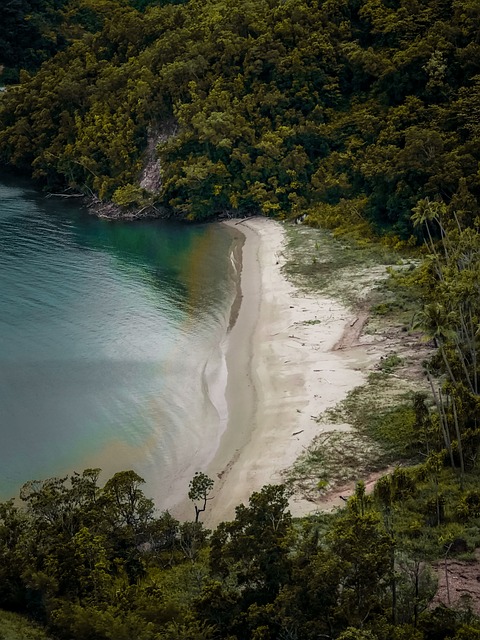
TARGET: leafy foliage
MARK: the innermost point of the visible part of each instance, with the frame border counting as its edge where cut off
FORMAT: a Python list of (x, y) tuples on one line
[(360, 114), (96, 562), (199, 489), (342, 110)]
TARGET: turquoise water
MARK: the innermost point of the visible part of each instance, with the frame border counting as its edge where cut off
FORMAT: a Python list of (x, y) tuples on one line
[(109, 338)]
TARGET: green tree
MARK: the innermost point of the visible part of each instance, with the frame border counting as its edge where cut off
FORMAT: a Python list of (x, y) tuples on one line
[(250, 555), (360, 540), (200, 488)]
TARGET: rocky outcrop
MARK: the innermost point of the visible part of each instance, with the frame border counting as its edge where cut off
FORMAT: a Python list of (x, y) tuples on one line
[(151, 176), (150, 181)]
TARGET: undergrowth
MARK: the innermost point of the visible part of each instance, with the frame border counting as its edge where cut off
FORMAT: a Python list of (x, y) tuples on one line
[(15, 627), (342, 268), (381, 412)]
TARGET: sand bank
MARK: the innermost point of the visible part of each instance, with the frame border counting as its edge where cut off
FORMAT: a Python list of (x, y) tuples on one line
[(283, 372)]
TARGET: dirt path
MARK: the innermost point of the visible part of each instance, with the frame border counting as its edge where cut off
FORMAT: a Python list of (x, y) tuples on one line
[(458, 583)]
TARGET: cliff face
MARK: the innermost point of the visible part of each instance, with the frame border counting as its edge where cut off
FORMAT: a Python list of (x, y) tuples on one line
[(150, 182), (151, 176)]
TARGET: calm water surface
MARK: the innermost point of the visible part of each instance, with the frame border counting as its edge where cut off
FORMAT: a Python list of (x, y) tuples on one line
[(109, 339)]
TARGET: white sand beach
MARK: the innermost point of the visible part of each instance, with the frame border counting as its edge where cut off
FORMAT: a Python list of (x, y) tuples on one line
[(283, 372)]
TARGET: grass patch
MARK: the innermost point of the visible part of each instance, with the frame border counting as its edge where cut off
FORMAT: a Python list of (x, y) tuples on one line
[(357, 274), (394, 300), (15, 627), (389, 363), (380, 413), (315, 260), (333, 458), (367, 275)]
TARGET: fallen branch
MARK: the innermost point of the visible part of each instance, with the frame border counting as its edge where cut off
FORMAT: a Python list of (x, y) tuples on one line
[(65, 195)]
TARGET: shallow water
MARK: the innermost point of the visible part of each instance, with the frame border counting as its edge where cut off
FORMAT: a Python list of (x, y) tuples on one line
[(110, 336)]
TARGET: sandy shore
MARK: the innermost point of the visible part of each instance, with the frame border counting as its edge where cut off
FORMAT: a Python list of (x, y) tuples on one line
[(282, 373)]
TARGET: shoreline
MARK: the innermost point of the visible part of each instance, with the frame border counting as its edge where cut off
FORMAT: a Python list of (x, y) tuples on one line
[(282, 373)]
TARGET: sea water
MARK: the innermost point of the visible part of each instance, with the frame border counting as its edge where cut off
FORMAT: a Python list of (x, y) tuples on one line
[(110, 343)]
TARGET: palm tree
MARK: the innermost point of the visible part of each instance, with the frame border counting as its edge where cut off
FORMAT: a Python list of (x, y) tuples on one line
[(426, 212)]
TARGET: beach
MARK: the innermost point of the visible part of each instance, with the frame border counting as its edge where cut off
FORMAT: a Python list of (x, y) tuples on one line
[(283, 371)]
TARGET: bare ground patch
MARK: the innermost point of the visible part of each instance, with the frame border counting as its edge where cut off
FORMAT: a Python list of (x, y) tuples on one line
[(458, 583)]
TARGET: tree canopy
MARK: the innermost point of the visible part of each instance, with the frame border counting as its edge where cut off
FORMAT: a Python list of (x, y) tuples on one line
[(351, 112), (88, 561), (273, 107)]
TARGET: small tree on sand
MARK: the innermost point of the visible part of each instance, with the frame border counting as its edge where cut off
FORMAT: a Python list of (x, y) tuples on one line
[(200, 487)]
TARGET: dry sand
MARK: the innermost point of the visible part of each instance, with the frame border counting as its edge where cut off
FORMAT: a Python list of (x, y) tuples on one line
[(283, 372)]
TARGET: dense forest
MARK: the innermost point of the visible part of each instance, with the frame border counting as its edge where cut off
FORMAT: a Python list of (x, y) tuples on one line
[(97, 563), (342, 109), (357, 113)]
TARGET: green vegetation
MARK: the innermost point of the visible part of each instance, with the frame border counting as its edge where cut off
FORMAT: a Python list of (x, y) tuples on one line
[(91, 562), (29, 35), (341, 267), (350, 112), (333, 459), (15, 627), (385, 417), (200, 488), (362, 116)]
